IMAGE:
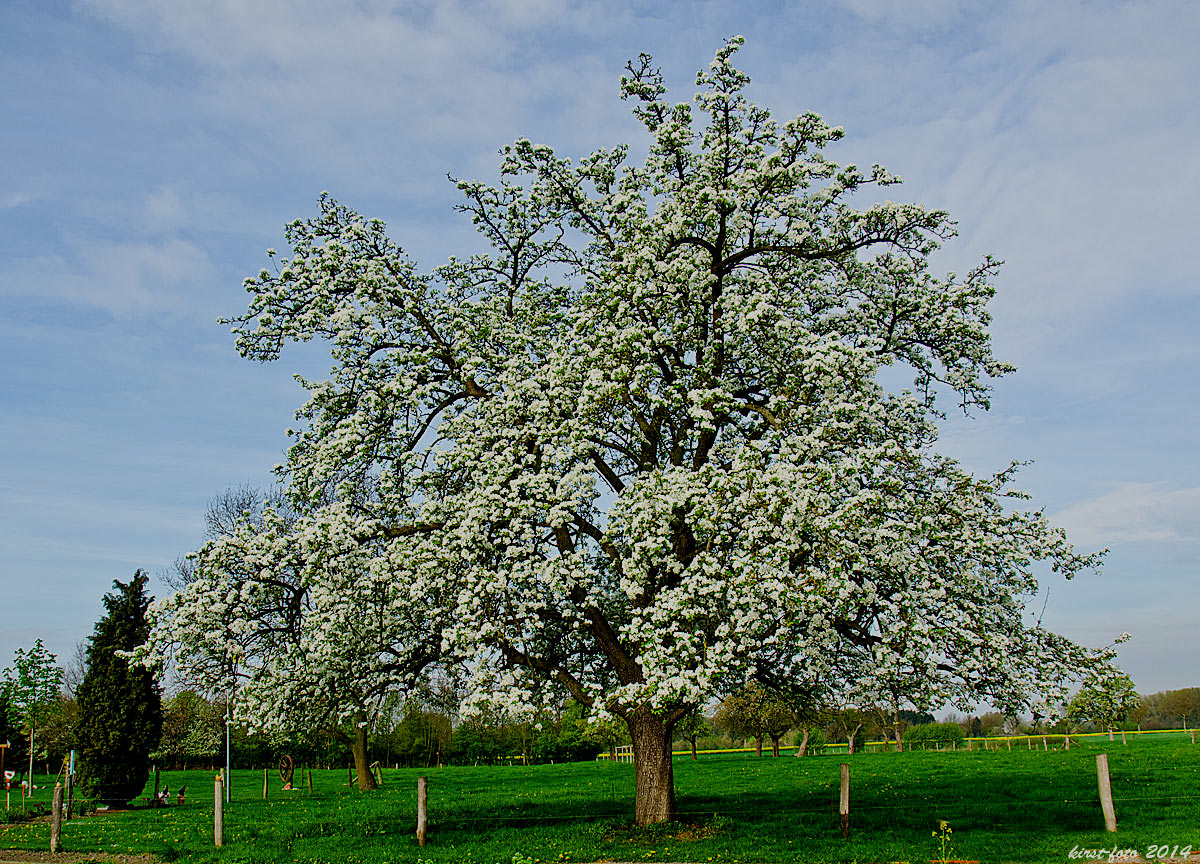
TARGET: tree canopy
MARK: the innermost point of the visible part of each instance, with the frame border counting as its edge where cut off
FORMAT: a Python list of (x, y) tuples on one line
[(1106, 698), (31, 684), (28, 690), (756, 712), (640, 450)]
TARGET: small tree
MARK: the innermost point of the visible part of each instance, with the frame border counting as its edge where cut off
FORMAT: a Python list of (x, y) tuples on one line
[(847, 722), (608, 734), (692, 727), (56, 731), (192, 730), (120, 707), (30, 688), (757, 712), (10, 734), (238, 621), (1105, 699), (805, 700)]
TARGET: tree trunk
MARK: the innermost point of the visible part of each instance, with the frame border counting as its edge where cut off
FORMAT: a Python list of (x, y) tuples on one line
[(775, 745), (802, 750), (850, 740), (358, 749), (758, 745), (362, 771), (693, 741), (654, 780), (30, 758)]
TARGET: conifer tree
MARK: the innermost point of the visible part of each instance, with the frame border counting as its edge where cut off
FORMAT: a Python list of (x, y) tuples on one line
[(120, 705)]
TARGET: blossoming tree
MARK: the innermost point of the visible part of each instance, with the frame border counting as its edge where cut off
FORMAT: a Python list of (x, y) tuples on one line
[(302, 621), (640, 449)]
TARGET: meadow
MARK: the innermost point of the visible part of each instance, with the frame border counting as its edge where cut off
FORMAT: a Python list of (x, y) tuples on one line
[(1000, 805)]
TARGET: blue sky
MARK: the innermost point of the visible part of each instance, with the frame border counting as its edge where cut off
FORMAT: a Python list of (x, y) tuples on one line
[(150, 151)]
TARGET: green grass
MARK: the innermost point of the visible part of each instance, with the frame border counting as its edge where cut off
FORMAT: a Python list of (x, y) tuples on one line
[(1002, 806)]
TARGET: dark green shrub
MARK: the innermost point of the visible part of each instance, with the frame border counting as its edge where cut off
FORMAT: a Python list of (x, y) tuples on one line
[(120, 708)]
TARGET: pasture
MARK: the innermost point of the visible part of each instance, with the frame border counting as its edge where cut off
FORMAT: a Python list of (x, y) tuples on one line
[(1002, 806)]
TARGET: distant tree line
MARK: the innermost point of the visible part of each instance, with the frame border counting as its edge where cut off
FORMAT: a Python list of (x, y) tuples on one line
[(419, 732)]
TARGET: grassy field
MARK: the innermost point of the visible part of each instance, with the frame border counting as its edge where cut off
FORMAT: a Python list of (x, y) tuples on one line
[(1002, 807)]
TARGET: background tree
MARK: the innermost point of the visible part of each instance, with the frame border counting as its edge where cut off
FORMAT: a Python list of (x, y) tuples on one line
[(892, 721), (120, 708), (845, 724), (423, 736), (640, 448), (990, 723), (319, 638), (564, 737), (692, 727), (889, 693), (16, 754), (806, 700), (192, 731), (1181, 706), (1106, 699), (608, 733), (30, 688), (73, 670), (224, 514), (935, 735), (57, 736), (755, 712)]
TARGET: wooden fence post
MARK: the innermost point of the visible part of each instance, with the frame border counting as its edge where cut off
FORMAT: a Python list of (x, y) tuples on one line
[(1106, 802), (844, 800), (56, 808), (422, 809), (218, 812)]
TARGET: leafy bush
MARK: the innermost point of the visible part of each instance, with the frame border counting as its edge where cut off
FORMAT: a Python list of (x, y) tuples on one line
[(925, 734), (27, 814)]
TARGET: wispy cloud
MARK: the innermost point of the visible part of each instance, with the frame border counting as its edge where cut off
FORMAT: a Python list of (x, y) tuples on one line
[(376, 86), (120, 276), (1048, 129), (1134, 513)]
